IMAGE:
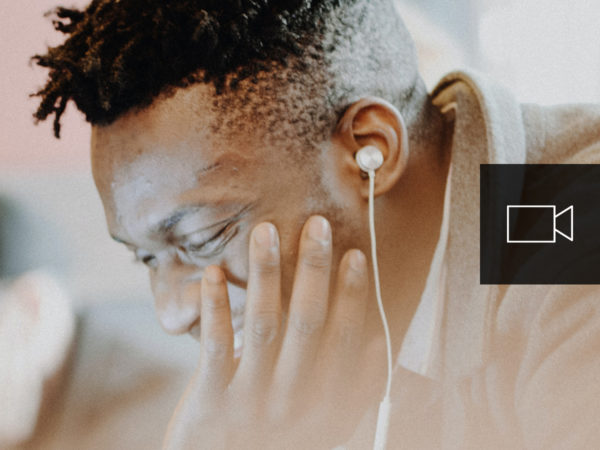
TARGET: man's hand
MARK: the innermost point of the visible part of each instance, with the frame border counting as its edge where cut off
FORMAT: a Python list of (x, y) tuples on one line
[(302, 384)]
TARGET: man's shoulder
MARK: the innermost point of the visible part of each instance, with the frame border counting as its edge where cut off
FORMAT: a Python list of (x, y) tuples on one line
[(544, 322), (543, 301), (567, 134)]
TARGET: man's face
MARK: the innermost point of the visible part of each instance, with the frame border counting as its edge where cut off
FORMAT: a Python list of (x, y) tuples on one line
[(183, 196)]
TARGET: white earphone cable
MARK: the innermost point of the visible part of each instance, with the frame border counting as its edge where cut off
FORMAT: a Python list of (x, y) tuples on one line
[(386, 329), (384, 407)]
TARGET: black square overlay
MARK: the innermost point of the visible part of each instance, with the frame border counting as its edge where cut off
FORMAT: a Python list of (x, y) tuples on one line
[(540, 224)]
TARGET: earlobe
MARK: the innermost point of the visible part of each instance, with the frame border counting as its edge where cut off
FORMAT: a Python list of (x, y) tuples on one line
[(373, 121)]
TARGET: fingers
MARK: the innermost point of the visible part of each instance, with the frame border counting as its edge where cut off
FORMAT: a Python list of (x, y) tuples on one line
[(345, 367), (345, 323), (374, 371), (216, 334), (263, 309), (308, 306)]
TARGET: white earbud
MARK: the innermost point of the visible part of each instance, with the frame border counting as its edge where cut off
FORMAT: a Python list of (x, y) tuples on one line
[(369, 158)]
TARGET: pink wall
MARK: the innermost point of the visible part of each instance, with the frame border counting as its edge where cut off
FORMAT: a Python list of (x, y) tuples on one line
[(23, 32)]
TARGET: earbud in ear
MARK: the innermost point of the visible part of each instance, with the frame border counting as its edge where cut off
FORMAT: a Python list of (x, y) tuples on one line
[(369, 158)]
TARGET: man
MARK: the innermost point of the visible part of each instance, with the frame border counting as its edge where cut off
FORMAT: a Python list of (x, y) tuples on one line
[(220, 128)]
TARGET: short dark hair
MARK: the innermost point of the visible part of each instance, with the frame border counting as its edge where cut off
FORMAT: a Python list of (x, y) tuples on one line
[(120, 55)]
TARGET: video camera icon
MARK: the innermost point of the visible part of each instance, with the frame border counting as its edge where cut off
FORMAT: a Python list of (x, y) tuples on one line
[(546, 220)]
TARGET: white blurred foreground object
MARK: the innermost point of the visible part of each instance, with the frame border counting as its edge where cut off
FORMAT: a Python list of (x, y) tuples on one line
[(37, 327)]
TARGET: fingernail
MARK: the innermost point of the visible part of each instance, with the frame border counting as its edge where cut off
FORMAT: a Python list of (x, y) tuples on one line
[(265, 235), (319, 230), (357, 261), (213, 275)]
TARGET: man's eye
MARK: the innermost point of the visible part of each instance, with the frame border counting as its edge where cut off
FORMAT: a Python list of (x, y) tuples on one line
[(146, 259), (212, 246)]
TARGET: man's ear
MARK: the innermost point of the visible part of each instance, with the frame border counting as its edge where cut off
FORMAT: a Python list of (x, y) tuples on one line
[(373, 121)]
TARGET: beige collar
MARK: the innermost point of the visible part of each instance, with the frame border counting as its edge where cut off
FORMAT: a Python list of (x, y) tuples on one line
[(488, 129)]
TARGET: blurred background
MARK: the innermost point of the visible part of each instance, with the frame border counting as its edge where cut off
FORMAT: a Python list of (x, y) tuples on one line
[(546, 51)]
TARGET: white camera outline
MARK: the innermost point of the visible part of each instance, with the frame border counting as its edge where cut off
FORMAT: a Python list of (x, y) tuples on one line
[(554, 216)]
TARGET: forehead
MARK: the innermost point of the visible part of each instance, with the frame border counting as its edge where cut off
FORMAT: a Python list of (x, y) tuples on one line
[(171, 126), (177, 135), (160, 152)]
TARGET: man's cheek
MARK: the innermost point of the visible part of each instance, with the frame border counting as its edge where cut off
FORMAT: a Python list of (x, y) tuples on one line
[(235, 263), (288, 261)]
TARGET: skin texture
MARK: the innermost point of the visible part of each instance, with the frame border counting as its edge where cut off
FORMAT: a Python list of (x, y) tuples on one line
[(310, 317)]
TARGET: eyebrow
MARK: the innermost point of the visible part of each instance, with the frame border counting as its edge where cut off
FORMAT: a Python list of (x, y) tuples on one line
[(166, 225)]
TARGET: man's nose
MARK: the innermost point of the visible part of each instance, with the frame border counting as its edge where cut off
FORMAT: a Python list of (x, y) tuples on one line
[(176, 291)]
